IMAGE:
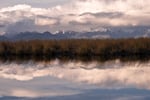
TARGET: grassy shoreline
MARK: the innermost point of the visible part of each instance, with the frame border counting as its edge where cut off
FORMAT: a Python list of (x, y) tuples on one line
[(103, 49)]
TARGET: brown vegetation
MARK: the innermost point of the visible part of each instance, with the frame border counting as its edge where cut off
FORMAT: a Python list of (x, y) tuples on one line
[(87, 48)]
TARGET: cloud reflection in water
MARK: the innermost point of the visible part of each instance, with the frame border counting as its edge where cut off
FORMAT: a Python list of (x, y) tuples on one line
[(68, 78)]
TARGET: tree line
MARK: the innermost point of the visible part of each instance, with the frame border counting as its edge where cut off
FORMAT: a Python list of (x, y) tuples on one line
[(72, 48)]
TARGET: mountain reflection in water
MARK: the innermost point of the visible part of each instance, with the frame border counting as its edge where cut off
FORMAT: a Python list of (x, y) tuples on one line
[(67, 80)]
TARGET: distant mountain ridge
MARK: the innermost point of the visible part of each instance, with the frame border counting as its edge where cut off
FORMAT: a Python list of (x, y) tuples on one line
[(108, 33)]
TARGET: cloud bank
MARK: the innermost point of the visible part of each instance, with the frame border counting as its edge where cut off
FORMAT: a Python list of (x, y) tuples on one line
[(107, 75), (81, 15)]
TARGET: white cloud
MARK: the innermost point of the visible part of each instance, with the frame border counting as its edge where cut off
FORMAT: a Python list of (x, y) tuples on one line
[(45, 21), (40, 93), (107, 75), (99, 13)]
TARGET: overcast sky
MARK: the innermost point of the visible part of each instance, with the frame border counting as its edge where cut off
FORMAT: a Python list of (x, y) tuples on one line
[(34, 3), (79, 15)]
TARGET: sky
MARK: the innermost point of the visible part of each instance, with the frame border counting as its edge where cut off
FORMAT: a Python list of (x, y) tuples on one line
[(76, 15), (33, 3)]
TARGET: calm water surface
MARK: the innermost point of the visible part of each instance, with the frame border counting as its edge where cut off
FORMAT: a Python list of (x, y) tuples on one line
[(75, 80)]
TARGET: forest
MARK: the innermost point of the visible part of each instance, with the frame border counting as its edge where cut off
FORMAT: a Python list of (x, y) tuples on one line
[(102, 49)]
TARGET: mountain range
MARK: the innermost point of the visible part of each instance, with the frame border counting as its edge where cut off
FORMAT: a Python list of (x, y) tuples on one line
[(115, 33)]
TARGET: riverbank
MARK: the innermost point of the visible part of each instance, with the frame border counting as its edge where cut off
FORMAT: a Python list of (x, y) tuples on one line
[(101, 49)]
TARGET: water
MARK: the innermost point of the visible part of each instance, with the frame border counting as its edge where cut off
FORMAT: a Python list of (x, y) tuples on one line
[(74, 80)]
